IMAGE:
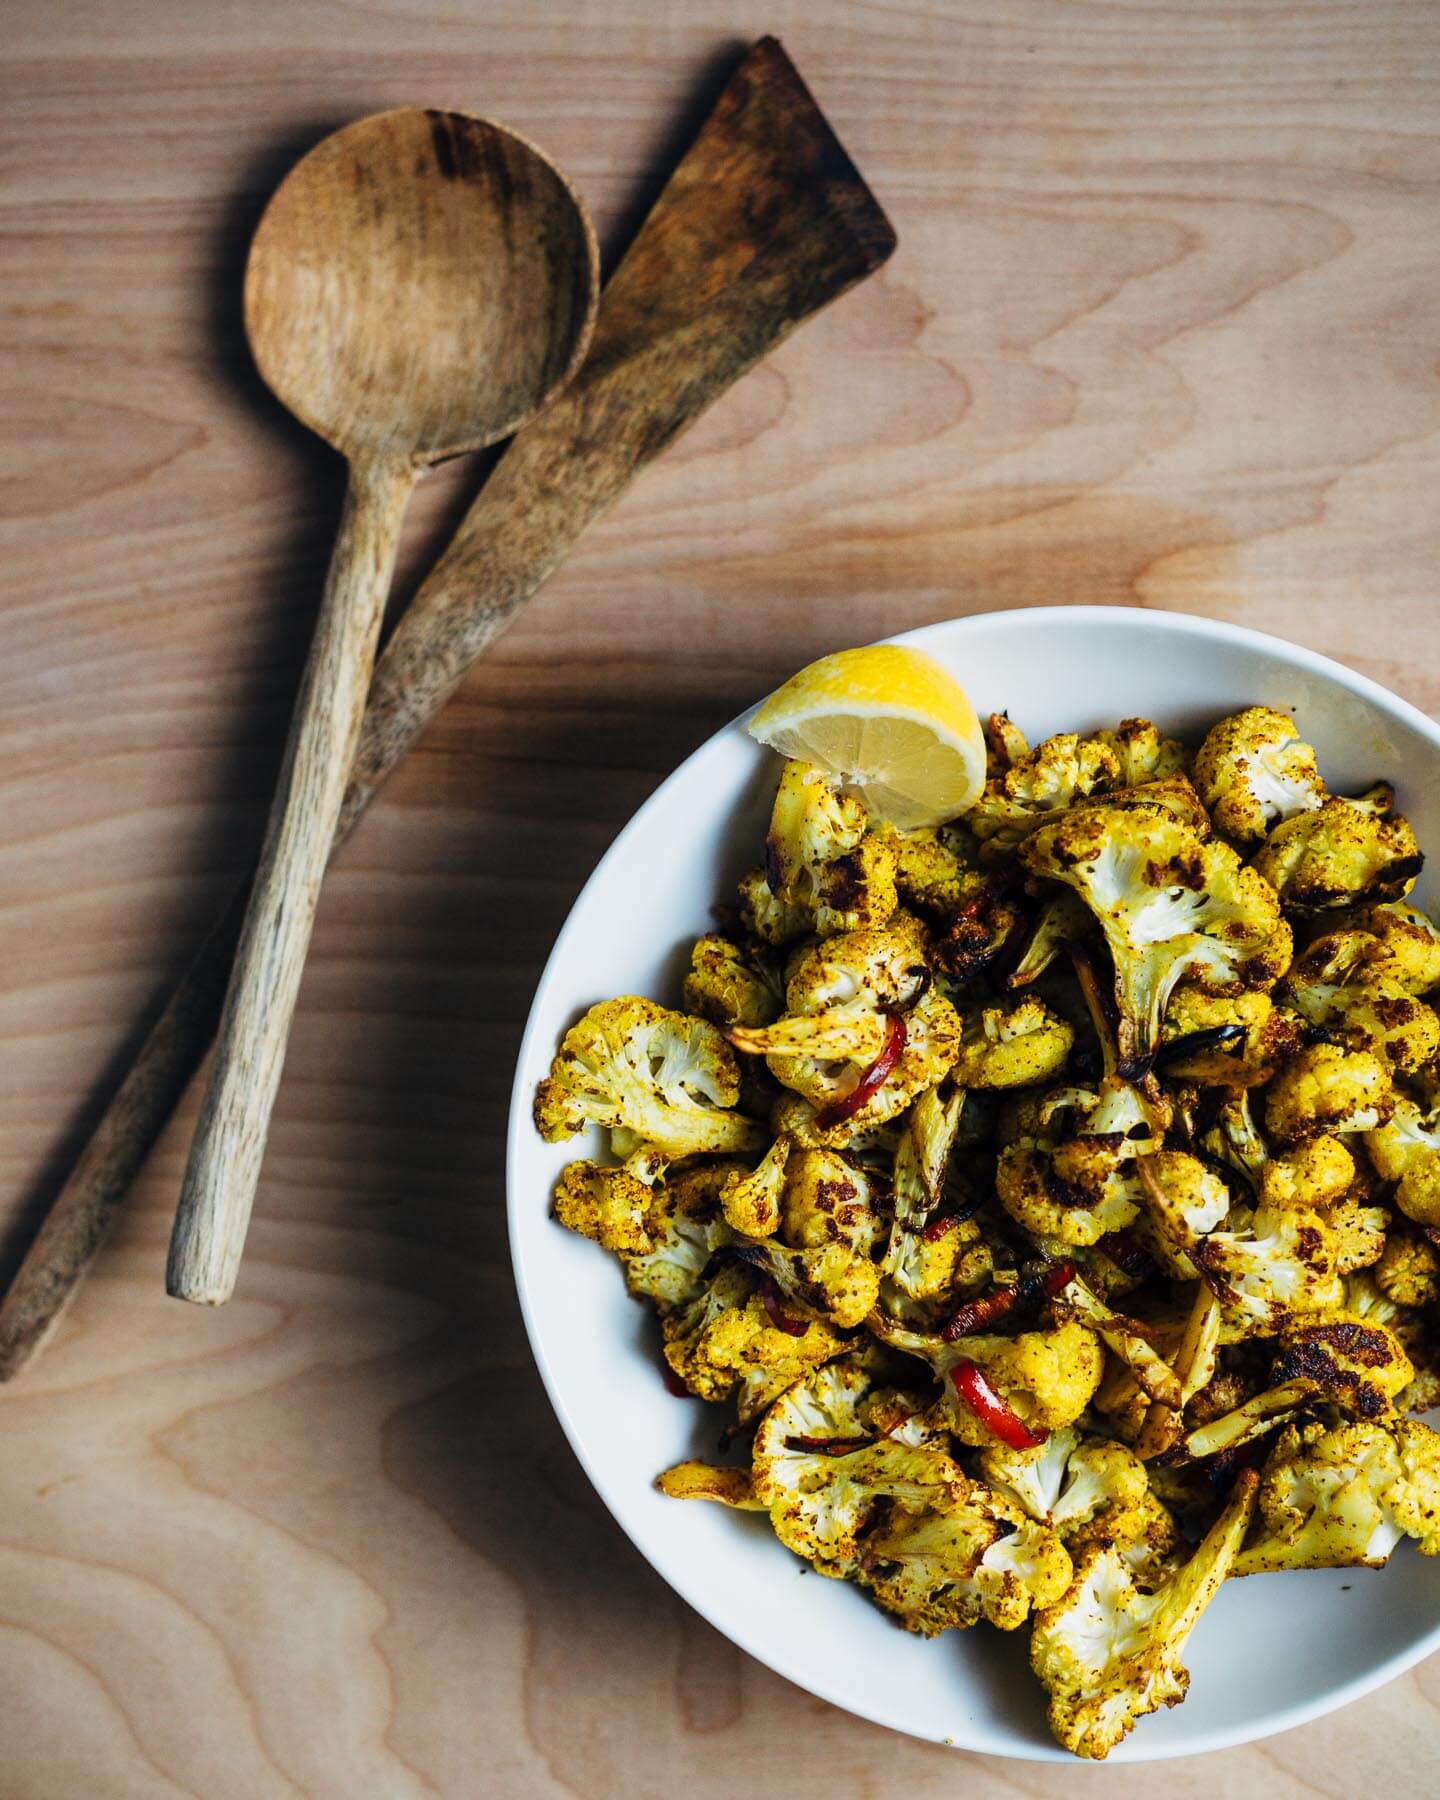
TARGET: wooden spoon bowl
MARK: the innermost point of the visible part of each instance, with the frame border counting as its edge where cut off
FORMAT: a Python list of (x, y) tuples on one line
[(421, 284)]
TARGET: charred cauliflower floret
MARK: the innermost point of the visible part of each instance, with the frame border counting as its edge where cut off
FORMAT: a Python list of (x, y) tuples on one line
[(832, 1282), (1016, 1045), (1267, 1265), (1332, 986), (976, 1558), (1326, 1089), (1345, 853), (729, 986), (1045, 780), (1081, 1487), (727, 1342), (1170, 905), (1403, 947), (1144, 756), (935, 868), (684, 1226), (823, 1473), (829, 1200), (1336, 1497), (916, 1266), (1107, 1653), (1253, 770), (667, 1078), (1225, 1040), (820, 854), (1407, 1271)]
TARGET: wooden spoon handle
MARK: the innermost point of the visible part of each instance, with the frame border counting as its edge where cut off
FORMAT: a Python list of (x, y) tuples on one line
[(224, 1165)]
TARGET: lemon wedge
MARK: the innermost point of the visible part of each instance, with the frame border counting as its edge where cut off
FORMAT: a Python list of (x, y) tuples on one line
[(886, 722)]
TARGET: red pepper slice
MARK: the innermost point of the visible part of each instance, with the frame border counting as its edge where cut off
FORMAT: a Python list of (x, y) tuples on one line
[(779, 1318), (992, 1412), (871, 1081), (828, 1446), (673, 1383), (1000, 1302)]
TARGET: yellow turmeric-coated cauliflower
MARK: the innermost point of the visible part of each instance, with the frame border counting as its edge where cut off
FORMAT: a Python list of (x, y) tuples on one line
[(829, 1200), (769, 918), (1253, 770), (1267, 1265), (727, 1343), (1083, 1487), (1332, 985), (1407, 1271), (1405, 1149), (1143, 755), (1342, 1496), (1108, 1653), (936, 867), (952, 1565), (607, 1205), (1403, 947), (1170, 904), (823, 1472), (1016, 1045), (1345, 853), (1225, 1040), (820, 854), (667, 1078), (1045, 780), (1045, 1377), (1327, 1088), (750, 1199), (729, 985)]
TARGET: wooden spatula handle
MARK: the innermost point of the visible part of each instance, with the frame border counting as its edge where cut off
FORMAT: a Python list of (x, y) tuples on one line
[(225, 1157)]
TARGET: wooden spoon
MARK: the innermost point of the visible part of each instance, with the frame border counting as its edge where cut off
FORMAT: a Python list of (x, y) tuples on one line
[(421, 284)]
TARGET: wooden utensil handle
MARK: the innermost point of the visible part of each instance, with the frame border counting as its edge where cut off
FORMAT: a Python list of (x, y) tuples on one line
[(229, 1144)]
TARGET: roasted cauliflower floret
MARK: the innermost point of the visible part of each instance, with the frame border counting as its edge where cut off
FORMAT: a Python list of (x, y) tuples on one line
[(750, 1200), (1405, 1149), (1345, 853), (935, 868), (1225, 1040), (730, 986), (832, 1282), (1108, 1653), (1327, 1089), (1334, 1497), (727, 1342), (1045, 780), (769, 918), (1407, 1271), (1316, 1173), (1170, 905), (820, 854), (1403, 947), (1332, 986), (1082, 1487), (684, 1227), (608, 1205), (829, 1200), (1046, 1377), (1144, 756), (1267, 1265), (1253, 770), (952, 1566), (912, 1264), (821, 1492), (667, 1078), (1016, 1045)]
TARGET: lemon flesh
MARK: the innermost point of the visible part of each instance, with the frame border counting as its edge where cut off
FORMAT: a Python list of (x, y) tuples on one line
[(886, 722)]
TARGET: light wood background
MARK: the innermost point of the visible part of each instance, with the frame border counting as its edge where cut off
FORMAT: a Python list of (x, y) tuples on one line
[(1162, 331)]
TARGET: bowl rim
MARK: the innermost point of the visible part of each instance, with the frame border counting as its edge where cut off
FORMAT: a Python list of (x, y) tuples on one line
[(1178, 624)]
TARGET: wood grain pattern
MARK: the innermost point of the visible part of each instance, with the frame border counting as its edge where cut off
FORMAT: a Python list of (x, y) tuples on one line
[(421, 284), (1161, 332)]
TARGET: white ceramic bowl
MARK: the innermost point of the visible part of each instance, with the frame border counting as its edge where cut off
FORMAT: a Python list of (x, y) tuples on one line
[(1274, 1650)]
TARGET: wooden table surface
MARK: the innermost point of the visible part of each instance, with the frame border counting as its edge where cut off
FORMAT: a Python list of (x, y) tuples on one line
[(1162, 331)]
